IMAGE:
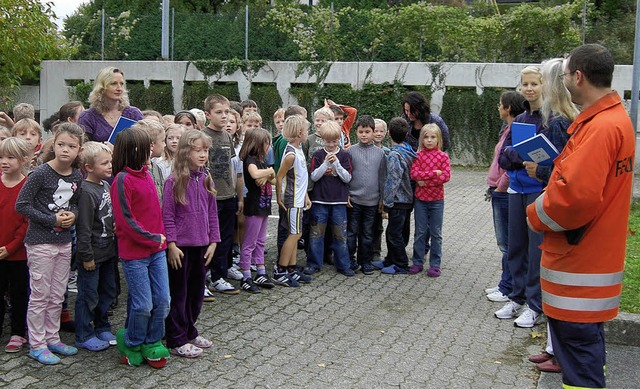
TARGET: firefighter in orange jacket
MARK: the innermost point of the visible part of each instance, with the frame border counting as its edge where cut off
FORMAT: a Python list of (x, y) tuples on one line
[(584, 213)]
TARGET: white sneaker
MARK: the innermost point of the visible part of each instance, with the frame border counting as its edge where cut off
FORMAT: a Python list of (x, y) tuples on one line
[(509, 311), (491, 290), (234, 273), (528, 318), (222, 286), (72, 285), (498, 297), (208, 296)]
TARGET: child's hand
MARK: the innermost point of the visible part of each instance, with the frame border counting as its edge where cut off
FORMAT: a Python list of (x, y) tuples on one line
[(330, 158), (421, 183), (349, 202), (531, 169), (240, 207), (162, 240), (175, 256), (89, 266), (438, 172), (307, 203), (208, 255), (3, 252), (5, 120), (261, 181), (65, 219)]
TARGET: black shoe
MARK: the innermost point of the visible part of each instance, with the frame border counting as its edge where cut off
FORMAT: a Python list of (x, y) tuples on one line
[(263, 281), (249, 286), (301, 244), (300, 277), (367, 268)]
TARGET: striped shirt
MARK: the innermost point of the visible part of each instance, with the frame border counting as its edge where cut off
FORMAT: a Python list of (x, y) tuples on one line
[(294, 185)]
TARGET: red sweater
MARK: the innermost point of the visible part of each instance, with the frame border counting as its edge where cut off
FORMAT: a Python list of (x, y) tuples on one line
[(423, 169), (137, 214), (13, 227)]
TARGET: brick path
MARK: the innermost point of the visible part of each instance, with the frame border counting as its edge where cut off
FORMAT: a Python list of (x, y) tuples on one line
[(366, 331)]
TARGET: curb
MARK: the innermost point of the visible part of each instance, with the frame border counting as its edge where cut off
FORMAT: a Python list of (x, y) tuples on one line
[(624, 329)]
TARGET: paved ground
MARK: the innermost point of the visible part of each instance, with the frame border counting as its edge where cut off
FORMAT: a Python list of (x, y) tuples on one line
[(366, 331)]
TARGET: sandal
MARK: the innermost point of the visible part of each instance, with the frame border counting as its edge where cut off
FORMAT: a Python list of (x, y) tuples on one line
[(187, 350), (201, 342), (44, 356), (62, 349), (93, 344), (15, 344), (433, 271)]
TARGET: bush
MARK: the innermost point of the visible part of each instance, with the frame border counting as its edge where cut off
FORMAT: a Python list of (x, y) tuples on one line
[(474, 124)]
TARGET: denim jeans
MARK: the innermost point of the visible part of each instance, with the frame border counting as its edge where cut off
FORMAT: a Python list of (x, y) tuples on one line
[(96, 292), (361, 220), (396, 247), (524, 253), (336, 217), (428, 217), (500, 205), (148, 300)]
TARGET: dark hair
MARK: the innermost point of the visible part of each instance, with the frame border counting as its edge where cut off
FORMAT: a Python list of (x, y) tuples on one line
[(295, 110), (418, 106), (366, 121), (67, 111), (595, 62), (248, 104), (75, 131), (236, 106), (179, 115), (337, 110), (513, 101), (398, 129), (132, 149), (253, 144)]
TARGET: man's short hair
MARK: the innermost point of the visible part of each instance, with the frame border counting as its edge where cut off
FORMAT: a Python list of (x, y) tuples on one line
[(212, 100), (595, 62)]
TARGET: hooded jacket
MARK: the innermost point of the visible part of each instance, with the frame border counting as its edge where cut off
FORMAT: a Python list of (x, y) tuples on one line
[(397, 187)]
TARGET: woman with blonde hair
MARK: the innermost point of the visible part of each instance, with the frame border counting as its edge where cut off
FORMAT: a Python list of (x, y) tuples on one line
[(109, 101)]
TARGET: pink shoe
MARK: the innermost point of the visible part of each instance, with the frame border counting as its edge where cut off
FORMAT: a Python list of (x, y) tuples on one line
[(415, 269)]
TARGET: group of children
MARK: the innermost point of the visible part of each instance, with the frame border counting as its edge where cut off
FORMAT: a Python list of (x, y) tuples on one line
[(181, 191)]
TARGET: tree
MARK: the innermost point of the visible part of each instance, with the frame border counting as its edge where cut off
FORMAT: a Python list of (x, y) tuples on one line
[(27, 36)]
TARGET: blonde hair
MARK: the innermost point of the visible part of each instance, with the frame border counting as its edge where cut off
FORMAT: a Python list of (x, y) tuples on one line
[(23, 111), (5, 131), (324, 113), (330, 130), (431, 127), (90, 152), (380, 121), (279, 112), (201, 118), (167, 153), (153, 127), (556, 99), (252, 116), (181, 165), (104, 78), (293, 126), (531, 69), (17, 148), (25, 124)]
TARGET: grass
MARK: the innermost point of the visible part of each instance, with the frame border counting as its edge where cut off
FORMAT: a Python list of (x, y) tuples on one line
[(630, 301)]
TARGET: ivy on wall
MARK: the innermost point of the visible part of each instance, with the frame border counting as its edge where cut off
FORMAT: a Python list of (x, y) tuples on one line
[(474, 123), (472, 119)]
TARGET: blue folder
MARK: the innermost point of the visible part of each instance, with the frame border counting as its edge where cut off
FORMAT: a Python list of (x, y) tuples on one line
[(537, 149), (521, 132), (122, 124)]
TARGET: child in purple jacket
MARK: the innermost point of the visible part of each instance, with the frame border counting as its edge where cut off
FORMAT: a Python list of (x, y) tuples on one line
[(190, 216)]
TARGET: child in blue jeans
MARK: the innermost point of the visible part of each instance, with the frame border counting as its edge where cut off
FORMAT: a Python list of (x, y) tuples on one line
[(96, 251), (141, 246), (331, 172)]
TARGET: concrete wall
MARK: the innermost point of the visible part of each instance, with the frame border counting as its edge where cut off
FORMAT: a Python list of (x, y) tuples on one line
[(56, 75)]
